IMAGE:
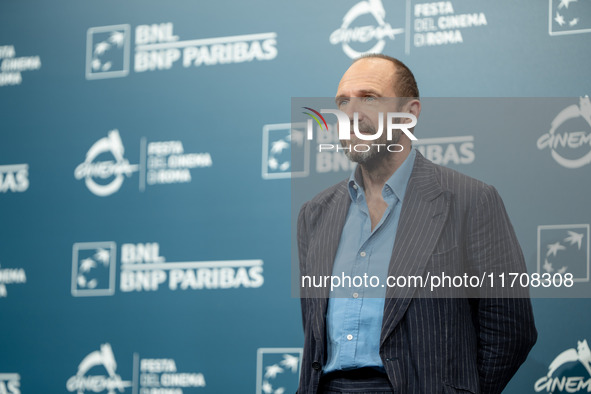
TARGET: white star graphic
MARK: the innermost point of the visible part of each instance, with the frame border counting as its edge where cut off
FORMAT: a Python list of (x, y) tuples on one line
[(101, 48), (548, 267), (559, 19), (117, 38), (565, 3), (267, 388), (272, 371), (554, 248), (574, 238), (291, 362), (279, 146), (103, 256), (87, 264)]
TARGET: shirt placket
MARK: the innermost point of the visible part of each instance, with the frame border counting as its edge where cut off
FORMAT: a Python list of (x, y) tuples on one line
[(359, 268)]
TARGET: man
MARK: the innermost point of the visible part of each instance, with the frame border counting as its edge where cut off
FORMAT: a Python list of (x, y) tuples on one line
[(401, 215)]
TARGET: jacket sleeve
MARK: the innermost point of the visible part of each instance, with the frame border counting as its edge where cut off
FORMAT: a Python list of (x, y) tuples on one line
[(502, 316), (302, 242)]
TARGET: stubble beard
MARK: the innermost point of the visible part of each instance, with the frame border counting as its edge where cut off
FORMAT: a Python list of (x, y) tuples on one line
[(373, 156)]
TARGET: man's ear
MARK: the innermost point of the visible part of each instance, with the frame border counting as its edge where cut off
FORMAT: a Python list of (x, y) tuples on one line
[(413, 107)]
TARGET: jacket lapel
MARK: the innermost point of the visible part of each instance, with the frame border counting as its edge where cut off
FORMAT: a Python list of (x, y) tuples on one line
[(424, 212), (325, 246)]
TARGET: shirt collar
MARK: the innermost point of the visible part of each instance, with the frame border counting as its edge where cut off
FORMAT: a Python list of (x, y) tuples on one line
[(397, 182)]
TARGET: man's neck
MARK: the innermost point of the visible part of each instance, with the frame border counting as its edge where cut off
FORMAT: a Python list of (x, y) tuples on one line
[(376, 173)]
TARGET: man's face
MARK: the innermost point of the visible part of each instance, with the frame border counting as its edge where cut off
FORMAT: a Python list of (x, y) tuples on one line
[(367, 88)]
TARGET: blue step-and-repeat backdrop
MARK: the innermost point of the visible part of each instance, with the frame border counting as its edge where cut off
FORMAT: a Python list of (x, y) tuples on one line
[(145, 202)]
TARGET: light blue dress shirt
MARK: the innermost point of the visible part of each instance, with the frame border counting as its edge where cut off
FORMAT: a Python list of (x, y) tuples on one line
[(354, 315)]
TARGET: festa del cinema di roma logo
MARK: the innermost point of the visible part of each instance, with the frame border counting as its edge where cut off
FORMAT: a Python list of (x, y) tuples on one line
[(161, 163), (115, 170), (563, 371), (82, 382), (564, 142), (97, 373), (364, 28), (344, 129), (345, 35)]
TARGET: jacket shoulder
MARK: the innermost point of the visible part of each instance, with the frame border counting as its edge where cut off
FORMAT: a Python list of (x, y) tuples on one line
[(312, 211), (329, 195), (455, 182)]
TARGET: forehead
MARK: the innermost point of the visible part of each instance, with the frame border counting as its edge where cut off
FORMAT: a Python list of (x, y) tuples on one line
[(373, 75)]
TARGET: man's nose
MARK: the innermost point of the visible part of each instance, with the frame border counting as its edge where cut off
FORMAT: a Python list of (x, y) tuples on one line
[(354, 106)]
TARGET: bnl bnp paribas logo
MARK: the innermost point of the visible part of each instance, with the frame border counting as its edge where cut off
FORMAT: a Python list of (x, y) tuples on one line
[(569, 138), (14, 178), (93, 268), (569, 372), (144, 269), (564, 248), (278, 370), (10, 383), (105, 166), (569, 17), (156, 47), (286, 152)]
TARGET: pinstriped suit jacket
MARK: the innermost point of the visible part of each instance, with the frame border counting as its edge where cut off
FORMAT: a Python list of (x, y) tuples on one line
[(449, 222)]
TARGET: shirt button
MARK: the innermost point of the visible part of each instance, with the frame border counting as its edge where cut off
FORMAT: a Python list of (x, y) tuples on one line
[(349, 337), (355, 295), (355, 187), (362, 254)]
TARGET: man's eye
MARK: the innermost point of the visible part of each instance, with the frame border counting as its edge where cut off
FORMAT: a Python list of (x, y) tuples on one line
[(369, 98), (343, 102)]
